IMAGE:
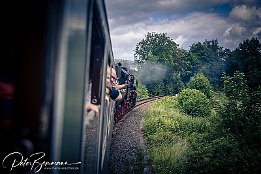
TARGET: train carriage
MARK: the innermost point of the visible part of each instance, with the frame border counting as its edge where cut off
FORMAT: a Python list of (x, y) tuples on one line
[(54, 62)]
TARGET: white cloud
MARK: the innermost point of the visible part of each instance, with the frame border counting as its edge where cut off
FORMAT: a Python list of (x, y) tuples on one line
[(181, 39), (246, 22), (245, 13)]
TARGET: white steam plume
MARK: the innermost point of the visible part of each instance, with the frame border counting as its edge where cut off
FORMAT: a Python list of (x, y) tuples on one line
[(151, 71)]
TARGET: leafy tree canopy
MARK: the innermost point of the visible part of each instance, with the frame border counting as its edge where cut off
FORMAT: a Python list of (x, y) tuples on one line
[(157, 47), (209, 58), (247, 59)]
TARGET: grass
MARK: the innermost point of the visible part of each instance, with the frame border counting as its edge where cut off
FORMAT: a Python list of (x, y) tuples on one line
[(178, 143), (163, 125), (169, 158)]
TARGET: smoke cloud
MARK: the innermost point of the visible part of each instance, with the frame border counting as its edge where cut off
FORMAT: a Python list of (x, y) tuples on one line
[(151, 71), (147, 72)]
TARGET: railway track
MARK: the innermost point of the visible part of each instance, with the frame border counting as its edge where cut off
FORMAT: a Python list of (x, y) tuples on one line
[(138, 103), (147, 100), (128, 142)]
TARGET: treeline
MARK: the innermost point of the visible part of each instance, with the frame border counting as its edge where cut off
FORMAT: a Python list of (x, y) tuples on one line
[(206, 57)]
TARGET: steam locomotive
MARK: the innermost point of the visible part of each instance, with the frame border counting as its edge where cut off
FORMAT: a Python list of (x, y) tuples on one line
[(54, 60), (129, 94)]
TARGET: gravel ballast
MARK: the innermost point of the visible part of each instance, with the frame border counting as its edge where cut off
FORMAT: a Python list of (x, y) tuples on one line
[(128, 150)]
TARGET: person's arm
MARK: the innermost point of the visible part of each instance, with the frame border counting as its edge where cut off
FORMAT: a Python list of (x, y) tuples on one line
[(115, 94), (121, 86)]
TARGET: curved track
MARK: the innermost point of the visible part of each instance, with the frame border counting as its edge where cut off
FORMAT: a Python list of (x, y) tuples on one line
[(146, 100)]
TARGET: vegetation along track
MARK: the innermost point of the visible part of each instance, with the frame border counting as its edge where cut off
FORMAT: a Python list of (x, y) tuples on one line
[(128, 148)]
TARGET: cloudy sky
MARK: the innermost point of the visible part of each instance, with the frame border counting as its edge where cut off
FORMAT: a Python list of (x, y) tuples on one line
[(185, 21)]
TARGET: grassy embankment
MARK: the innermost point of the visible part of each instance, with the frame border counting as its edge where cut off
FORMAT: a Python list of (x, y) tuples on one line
[(178, 143)]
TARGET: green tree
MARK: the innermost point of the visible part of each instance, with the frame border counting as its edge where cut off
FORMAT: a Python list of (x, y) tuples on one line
[(241, 114), (162, 50), (174, 84), (247, 59), (200, 82), (156, 88), (209, 58), (235, 87), (156, 47)]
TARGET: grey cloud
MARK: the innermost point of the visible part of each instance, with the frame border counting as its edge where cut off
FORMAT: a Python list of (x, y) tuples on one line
[(184, 31), (131, 20), (137, 10), (197, 27), (235, 31), (257, 32), (246, 22)]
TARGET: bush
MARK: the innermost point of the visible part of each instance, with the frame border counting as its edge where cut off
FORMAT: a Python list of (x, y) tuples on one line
[(201, 83), (193, 102), (241, 113), (213, 153)]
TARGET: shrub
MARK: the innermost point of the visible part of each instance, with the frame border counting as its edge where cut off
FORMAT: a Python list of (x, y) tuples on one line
[(201, 83), (193, 102), (241, 113), (212, 153)]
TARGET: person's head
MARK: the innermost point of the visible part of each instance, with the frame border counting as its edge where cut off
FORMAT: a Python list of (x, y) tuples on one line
[(110, 82), (112, 75)]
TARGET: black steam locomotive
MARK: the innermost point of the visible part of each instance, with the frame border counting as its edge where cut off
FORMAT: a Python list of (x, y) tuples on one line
[(54, 59), (129, 94)]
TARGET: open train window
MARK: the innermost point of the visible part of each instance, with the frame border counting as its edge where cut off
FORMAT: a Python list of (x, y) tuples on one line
[(97, 53), (95, 94)]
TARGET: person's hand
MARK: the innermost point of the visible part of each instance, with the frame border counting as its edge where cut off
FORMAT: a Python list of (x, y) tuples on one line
[(92, 111), (91, 107)]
